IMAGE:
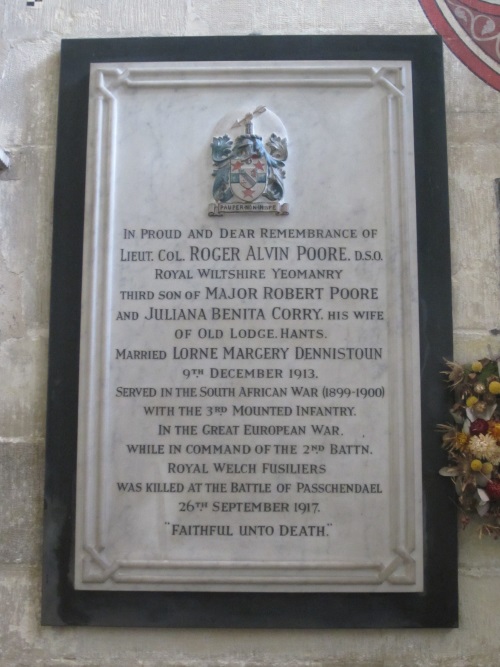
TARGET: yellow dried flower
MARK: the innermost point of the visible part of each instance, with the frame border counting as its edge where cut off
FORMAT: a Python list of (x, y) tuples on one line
[(472, 400), (486, 468), (461, 440), (494, 429), (453, 439), (476, 465), (477, 366), (494, 387)]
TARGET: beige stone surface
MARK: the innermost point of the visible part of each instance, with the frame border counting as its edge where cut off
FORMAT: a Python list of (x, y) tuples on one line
[(470, 345), (29, 61), (11, 311), (24, 643), (474, 229), (21, 481), (26, 194), (473, 154), (22, 399), (465, 92), (313, 17), (94, 18), (31, 65)]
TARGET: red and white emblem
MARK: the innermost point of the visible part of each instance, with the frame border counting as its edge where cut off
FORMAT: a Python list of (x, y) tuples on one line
[(248, 177), (471, 29)]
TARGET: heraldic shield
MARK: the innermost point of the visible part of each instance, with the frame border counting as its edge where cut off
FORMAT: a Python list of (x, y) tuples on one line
[(248, 177), (249, 173)]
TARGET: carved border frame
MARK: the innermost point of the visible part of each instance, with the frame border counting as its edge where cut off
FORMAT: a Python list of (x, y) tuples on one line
[(61, 603), (400, 567)]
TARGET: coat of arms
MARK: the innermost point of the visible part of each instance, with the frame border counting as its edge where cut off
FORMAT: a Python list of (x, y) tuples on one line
[(249, 173)]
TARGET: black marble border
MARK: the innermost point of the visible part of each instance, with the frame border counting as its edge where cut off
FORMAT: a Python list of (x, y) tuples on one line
[(62, 605)]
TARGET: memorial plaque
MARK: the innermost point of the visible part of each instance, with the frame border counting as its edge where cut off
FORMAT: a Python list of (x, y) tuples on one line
[(256, 321)]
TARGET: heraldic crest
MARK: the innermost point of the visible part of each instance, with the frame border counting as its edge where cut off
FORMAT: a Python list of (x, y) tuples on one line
[(249, 174)]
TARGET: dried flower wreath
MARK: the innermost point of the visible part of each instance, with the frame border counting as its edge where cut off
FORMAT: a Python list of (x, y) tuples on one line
[(473, 442)]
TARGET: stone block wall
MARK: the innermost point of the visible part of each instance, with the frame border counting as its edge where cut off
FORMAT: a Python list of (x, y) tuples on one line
[(29, 63)]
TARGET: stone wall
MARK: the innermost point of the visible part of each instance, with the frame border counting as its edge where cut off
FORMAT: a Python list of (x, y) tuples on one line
[(29, 64)]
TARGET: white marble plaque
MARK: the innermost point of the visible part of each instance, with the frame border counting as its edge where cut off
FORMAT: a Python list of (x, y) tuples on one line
[(249, 411)]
